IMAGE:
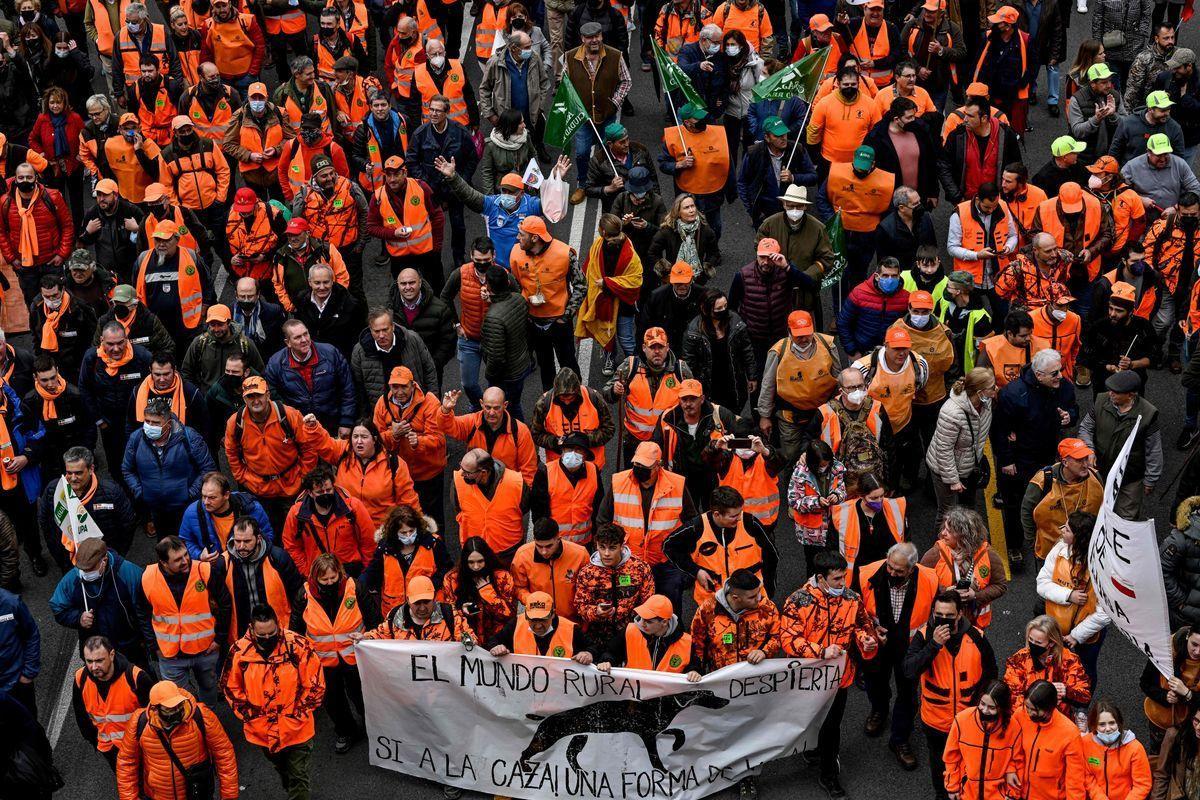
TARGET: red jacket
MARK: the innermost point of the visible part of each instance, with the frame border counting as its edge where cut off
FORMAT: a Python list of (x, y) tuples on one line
[(326, 145), (55, 233), (348, 533), (41, 139)]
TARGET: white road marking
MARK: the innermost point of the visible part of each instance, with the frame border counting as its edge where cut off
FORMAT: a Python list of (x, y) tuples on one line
[(61, 703)]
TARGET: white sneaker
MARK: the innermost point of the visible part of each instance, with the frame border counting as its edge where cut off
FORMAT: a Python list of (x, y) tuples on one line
[(1081, 6)]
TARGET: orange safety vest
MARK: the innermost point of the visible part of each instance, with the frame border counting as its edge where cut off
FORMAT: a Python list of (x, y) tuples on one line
[(111, 712), (545, 274), (413, 215), (666, 507), (1069, 615), (155, 121), (1146, 304), (845, 521), (186, 627), (318, 106), (981, 576), (233, 49), (1052, 224), (290, 22), (1007, 360), (673, 30), (371, 178), (723, 559), (490, 23), (189, 63), (927, 589), (752, 21), (326, 57), (395, 578), (710, 148), (426, 25), (355, 106), (758, 488), (254, 140), (949, 684), (642, 411), (874, 51), (333, 220), (405, 67), (895, 391), (499, 520), (637, 653), (1061, 336), (105, 35), (831, 424), (331, 639), (863, 201), (1023, 210), (202, 169), (256, 244), (452, 90), (586, 420), (358, 26), (186, 237), (212, 128), (277, 597), (562, 642), (804, 383), (571, 503), (131, 55), (191, 298)]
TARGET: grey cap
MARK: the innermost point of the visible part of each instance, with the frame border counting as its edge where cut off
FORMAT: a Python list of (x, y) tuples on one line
[(1125, 380), (1181, 57), (81, 259), (124, 294), (590, 29)]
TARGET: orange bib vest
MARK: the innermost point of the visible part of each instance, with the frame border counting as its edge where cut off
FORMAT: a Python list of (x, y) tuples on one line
[(191, 298), (546, 274), (331, 639), (723, 559), (586, 420), (981, 576), (1007, 360), (863, 201), (452, 90), (212, 128), (571, 504), (562, 641), (1069, 615), (758, 488), (413, 215), (711, 151), (256, 141), (186, 627), (803, 383), (1052, 224), (277, 597), (637, 653), (896, 391), (154, 118), (131, 56), (186, 237), (645, 538), (975, 238), (333, 219), (492, 21), (105, 35), (831, 424), (233, 49), (642, 410), (499, 520), (112, 712), (874, 51), (395, 578), (845, 520)]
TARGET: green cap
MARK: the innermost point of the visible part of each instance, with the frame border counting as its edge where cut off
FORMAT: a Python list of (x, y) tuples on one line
[(1099, 72), (776, 127), (692, 111), (864, 158), (124, 294), (962, 277), (81, 259), (1159, 99), (1159, 144), (1066, 144), (615, 132)]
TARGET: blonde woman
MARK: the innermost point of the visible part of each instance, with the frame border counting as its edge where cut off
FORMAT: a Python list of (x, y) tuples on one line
[(684, 236), (955, 454), (1045, 657)]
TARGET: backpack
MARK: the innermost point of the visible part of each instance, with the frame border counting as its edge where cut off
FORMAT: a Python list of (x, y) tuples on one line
[(858, 450)]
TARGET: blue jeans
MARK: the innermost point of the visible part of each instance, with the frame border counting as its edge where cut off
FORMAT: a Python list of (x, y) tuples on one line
[(512, 392), (585, 137), (626, 336), (181, 669), (1052, 84), (470, 356)]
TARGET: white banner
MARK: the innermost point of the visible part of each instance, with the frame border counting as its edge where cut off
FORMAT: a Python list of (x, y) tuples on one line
[(73, 519), (1127, 575), (533, 727)]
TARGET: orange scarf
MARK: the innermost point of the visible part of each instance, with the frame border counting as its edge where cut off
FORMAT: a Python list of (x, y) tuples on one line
[(50, 329), (175, 390), (8, 480), (91, 492), (29, 240), (127, 323), (49, 409), (113, 365)]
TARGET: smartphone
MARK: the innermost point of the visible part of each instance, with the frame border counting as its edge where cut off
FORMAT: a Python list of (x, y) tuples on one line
[(740, 442)]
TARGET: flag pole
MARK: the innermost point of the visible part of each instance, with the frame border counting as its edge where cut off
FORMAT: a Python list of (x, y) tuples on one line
[(807, 111), (659, 54), (603, 146), (675, 114)]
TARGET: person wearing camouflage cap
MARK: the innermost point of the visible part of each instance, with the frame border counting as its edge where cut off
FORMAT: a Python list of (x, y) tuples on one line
[(967, 313)]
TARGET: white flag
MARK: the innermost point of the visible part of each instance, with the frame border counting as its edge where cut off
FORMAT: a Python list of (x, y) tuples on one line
[(533, 175), (73, 519), (1127, 575)]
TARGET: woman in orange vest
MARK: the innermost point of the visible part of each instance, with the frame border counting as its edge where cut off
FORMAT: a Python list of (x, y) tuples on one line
[(869, 525), (983, 756), (481, 589), (1064, 583), (409, 545), (186, 38), (365, 469), (965, 561), (655, 640), (1114, 761), (813, 492), (1046, 657), (332, 613)]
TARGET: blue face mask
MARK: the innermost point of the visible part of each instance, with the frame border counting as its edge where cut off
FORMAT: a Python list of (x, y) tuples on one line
[(507, 201), (258, 106), (152, 431), (1137, 267), (1110, 738), (526, 55), (888, 285)]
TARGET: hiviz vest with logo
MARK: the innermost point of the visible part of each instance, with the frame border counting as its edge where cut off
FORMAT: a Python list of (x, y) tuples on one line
[(188, 626), (637, 653), (1068, 615), (867, 50), (721, 560), (189, 64), (831, 424), (803, 384), (845, 519), (254, 244), (949, 684), (981, 576), (926, 589), (212, 128), (452, 90), (711, 151), (354, 105), (255, 140), (111, 712), (371, 177), (1052, 224), (233, 50), (427, 26), (760, 490), (277, 596), (1058, 501), (358, 18), (546, 274), (499, 520), (752, 21), (895, 390), (1006, 359), (331, 638), (396, 577), (863, 201), (131, 55), (561, 645), (318, 105), (642, 410), (1062, 337), (413, 215), (406, 65), (191, 298), (493, 20), (333, 219), (186, 237), (974, 237), (197, 174), (155, 115), (586, 420), (645, 538), (327, 56), (105, 35), (936, 347), (571, 503)]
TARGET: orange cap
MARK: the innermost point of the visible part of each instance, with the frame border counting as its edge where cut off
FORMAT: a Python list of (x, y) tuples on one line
[(128, 116), (166, 229), (657, 606), (419, 588), (1070, 197), (819, 23), (800, 323), (253, 385), (401, 376), (218, 313), (537, 227), (1123, 291), (1104, 164), (647, 454), (691, 388), (257, 90), (978, 89), (106, 186), (655, 336), (1074, 448), (513, 181), (538, 605), (921, 299), (768, 246), (166, 694), (1005, 14), (154, 192), (934, 5), (897, 337), (681, 272), (874, 3), (393, 162)]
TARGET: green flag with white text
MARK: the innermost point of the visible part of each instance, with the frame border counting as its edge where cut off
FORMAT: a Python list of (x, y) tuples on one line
[(673, 76), (837, 239), (796, 80), (566, 116)]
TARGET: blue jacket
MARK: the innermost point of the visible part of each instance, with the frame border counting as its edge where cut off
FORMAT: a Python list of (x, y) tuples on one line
[(712, 86), (27, 436), (792, 111), (1029, 410), (166, 477), (20, 641), (196, 528), (331, 397), (424, 147), (116, 600)]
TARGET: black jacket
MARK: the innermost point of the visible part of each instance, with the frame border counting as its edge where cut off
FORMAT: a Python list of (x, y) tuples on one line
[(110, 509), (757, 186), (434, 322), (1029, 411), (340, 322), (73, 425), (147, 331), (611, 22), (672, 314), (424, 146), (928, 150), (664, 250), (505, 338), (698, 353), (894, 238), (75, 331), (1180, 557), (114, 246), (237, 607), (952, 166)]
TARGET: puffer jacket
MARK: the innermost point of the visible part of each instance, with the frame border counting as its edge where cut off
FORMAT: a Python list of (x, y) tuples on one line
[(505, 338), (167, 477), (275, 696), (433, 322), (697, 352), (52, 219), (866, 315), (371, 374), (145, 771), (953, 452), (331, 396), (1180, 557)]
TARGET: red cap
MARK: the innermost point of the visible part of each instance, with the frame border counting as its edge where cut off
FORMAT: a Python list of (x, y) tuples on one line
[(244, 200), (297, 225)]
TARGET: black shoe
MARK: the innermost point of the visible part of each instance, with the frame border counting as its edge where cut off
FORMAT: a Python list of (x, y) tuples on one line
[(1033, 98), (40, 567), (748, 788), (832, 787), (1187, 438), (342, 744), (997, 500), (627, 108), (1016, 560), (874, 724)]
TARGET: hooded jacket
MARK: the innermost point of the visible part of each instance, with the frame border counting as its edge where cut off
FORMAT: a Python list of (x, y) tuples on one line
[(168, 477), (624, 587), (1121, 770), (249, 585), (753, 629), (812, 620)]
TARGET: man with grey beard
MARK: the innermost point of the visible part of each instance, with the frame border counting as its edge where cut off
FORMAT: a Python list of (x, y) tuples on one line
[(174, 284)]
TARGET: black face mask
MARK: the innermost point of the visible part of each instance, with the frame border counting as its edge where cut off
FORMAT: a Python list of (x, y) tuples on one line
[(1188, 223), (25, 186), (328, 590), (246, 307), (328, 33), (849, 94), (990, 716), (897, 580), (324, 500), (213, 85), (171, 717), (518, 23), (29, 16), (951, 621), (700, 125), (231, 383), (1038, 651), (722, 315), (186, 139), (122, 312), (310, 137), (266, 644), (642, 473)]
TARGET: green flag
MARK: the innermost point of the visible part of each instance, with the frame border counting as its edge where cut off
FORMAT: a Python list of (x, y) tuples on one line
[(673, 76), (797, 80), (837, 239), (566, 116)]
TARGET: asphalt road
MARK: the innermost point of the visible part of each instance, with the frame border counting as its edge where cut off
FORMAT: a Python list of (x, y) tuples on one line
[(869, 769)]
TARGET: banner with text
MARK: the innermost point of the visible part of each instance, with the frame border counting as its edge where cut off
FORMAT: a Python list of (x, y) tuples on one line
[(531, 727), (1126, 573)]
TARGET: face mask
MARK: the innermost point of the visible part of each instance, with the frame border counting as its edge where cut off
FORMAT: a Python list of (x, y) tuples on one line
[(526, 55), (988, 716), (849, 94), (919, 320), (950, 621), (507, 201), (1094, 182), (91, 576), (266, 644), (53, 305), (572, 460), (1188, 223), (743, 452), (1108, 738), (328, 590), (874, 505), (325, 500), (642, 473), (1037, 651), (897, 580), (518, 23), (407, 540), (437, 61), (25, 186), (832, 592), (258, 106), (310, 137), (795, 214), (722, 315), (888, 285), (152, 431), (134, 27), (856, 396), (29, 16), (328, 33), (186, 139), (733, 51), (700, 125), (170, 717), (711, 49), (1137, 267), (122, 312), (1058, 314), (62, 53), (129, 135)]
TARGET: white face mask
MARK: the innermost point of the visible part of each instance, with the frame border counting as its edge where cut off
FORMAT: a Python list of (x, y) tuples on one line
[(742, 452), (795, 214), (733, 50), (437, 61), (572, 460), (1058, 315), (1094, 182), (90, 576), (857, 396), (53, 305), (258, 106), (919, 320), (407, 540), (712, 48)]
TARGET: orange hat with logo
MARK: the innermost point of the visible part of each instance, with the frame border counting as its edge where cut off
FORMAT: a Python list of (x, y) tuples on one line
[(420, 587), (1074, 448), (393, 163), (691, 388), (768, 246), (819, 23), (1104, 165), (647, 454), (401, 376), (800, 323), (538, 605), (1070, 197), (1123, 292), (1005, 14), (897, 337), (257, 90), (922, 300), (681, 272), (253, 385), (657, 606), (536, 226), (166, 229), (655, 336)]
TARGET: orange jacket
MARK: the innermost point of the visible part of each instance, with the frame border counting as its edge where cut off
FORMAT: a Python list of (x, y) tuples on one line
[(381, 483), (514, 446), (812, 621), (275, 697), (144, 770), (348, 533), (1053, 758), (493, 610), (269, 460), (719, 640), (1116, 773), (556, 578), (195, 181), (977, 761), (623, 587), (427, 459), (1020, 674), (446, 625)]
